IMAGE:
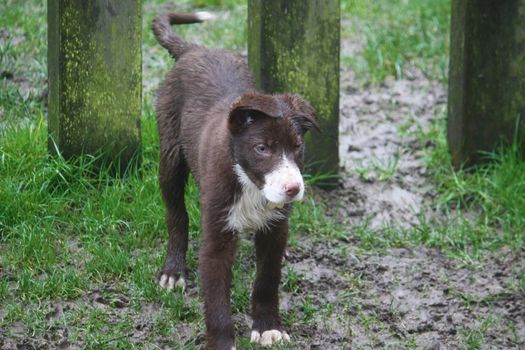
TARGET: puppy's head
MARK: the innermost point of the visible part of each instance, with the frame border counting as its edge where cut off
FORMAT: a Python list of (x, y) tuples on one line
[(267, 134)]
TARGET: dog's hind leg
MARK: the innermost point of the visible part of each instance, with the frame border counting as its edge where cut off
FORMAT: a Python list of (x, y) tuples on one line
[(173, 177)]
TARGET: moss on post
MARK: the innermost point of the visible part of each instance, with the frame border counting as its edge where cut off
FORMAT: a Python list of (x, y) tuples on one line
[(293, 46), (487, 77), (95, 78)]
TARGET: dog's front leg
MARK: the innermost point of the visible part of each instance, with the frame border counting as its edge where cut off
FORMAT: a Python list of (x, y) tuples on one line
[(215, 267), (270, 246)]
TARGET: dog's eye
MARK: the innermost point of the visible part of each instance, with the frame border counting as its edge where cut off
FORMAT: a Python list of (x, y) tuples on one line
[(298, 146), (262, 149)]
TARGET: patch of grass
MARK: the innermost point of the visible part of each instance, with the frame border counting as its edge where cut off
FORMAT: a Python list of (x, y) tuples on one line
[(475, 338), (481, 206), (395, 34), (308, 310), (291, 280), (517, 282), (308, 217), (378, 169), (380, 239)]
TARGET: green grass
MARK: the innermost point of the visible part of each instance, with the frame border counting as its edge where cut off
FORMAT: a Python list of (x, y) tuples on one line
[(396, 34), (380, 170), (482, 206)]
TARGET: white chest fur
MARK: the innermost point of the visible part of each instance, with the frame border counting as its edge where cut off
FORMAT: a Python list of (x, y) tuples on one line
[(250, 211)]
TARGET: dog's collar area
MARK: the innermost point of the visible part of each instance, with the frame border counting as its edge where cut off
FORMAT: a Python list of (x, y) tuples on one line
[(251, 210)]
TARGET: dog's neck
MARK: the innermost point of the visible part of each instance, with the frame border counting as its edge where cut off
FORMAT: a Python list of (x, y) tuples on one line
[(250, 210)]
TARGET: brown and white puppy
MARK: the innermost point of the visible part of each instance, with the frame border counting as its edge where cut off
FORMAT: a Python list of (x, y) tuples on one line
[(245, 150)]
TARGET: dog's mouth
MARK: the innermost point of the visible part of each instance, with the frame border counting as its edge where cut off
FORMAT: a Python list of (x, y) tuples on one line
[(278, 199), (280, 205), (272, 205)]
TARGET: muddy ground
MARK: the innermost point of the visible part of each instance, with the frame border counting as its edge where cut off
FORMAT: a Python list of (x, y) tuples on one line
[(405, 297)]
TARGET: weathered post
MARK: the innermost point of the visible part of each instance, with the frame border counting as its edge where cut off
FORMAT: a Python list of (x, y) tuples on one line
[(95, 78), (293, 46), (487, 77)]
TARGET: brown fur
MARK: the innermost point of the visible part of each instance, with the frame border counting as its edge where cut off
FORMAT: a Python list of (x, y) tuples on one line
[(209, 116)]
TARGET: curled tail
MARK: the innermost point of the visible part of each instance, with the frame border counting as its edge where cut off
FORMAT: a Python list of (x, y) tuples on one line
[(175, 45)]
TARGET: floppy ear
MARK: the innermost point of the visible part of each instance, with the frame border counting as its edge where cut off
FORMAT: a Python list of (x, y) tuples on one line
[(249, 107), (305, 122), (305, 115)]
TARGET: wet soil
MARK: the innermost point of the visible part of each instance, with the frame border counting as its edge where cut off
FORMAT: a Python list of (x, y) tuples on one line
[(386, 181), (404, 297)]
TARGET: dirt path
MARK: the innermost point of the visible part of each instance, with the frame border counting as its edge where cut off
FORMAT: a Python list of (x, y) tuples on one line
[(407, 297), (386, 181)]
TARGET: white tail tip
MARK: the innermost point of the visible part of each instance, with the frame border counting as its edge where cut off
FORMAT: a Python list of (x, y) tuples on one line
[(205, 15)]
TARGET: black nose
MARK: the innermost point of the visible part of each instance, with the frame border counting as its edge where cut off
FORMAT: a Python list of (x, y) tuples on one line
[(292, 189)]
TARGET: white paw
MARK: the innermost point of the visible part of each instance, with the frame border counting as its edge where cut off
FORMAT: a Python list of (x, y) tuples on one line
[(255, 337), (169, 282), (269, 338)]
